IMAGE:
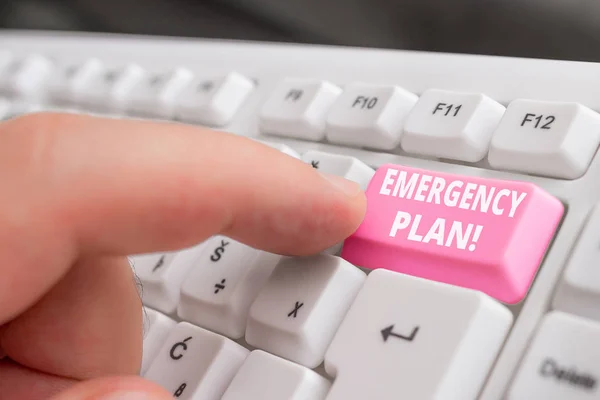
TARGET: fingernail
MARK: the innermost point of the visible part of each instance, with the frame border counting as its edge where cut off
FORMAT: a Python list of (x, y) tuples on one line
[(129, 396), (349, 188)]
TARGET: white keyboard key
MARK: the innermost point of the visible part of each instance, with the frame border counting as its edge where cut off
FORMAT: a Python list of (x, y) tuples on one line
[(264, 376), (162, 276), (157, 328), (6, 57), (281, 147), (546, 138), (297, 313), (218, 291), (563, 361), (20, 108), (70, 82), (110, 91), (451, 125), (344, 166), (369, 116), (411, 338), (579, 291), (156, 95), (25, 76), (5, 108), (298, 108), (340, 165), (214, 103), (194, 363)]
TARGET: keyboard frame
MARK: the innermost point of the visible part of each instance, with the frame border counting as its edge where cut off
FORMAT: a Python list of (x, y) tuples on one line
[(501, 78)]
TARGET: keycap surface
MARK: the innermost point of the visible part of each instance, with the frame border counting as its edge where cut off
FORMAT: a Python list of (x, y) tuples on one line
[(25, 77), (214, 102), (301, 306), (162, 275), (70, 82), (370, 116), (562, 363), (474, 232), (452, 125), (264, 376), (408, 338), (298, 108), (579, 289), (156, 95), (222, 284), (548, 138), (347, 167), (111, 90), (157, 327), (197, 364)]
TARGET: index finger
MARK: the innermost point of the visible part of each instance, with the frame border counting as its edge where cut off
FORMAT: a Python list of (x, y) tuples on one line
[(77, 185)]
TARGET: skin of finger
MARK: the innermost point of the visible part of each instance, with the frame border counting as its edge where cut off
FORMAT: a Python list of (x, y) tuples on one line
[(76, 185), (88, 325), (18, 382), (115, 388)]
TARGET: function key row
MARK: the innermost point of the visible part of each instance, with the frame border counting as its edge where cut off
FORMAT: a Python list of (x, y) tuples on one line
[(127, 89), (556, 139)]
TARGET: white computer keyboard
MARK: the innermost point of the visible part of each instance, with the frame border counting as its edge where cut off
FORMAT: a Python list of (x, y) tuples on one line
[(474, 274)]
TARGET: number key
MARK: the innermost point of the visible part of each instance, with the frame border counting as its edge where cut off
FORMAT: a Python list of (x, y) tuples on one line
[(546, 138)]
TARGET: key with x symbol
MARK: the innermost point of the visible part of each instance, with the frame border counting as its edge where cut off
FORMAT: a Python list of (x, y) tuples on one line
[(294, 312), (299, 309)]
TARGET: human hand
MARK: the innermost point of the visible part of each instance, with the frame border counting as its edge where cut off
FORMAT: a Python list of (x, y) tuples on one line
[(80, 193)]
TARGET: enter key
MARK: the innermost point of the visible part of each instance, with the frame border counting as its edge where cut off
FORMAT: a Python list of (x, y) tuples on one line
[(485, 234)]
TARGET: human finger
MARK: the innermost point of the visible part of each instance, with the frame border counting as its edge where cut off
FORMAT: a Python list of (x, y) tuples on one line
[(78, 186)]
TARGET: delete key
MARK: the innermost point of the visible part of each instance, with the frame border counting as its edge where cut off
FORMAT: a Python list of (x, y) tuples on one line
[(485, 234)]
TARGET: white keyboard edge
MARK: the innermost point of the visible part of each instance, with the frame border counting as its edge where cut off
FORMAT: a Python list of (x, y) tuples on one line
[(503, 79)]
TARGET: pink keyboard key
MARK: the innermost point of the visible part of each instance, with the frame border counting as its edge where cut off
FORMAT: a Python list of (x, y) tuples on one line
[(485, 234)]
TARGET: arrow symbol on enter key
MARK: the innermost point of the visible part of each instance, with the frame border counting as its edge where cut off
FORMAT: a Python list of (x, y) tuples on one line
[(387, 332)]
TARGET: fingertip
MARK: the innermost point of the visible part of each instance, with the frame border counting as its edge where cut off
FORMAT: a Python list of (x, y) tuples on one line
[(345, 186), (321, 217)]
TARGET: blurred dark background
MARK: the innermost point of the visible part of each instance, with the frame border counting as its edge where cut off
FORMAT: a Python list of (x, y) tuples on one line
[(559, 29)]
